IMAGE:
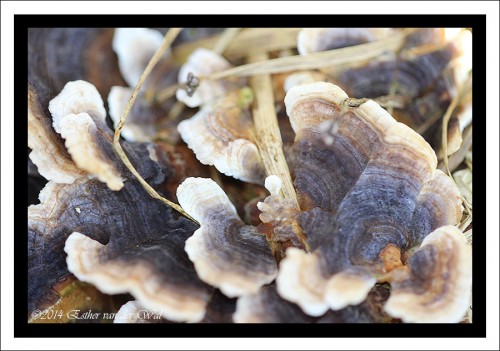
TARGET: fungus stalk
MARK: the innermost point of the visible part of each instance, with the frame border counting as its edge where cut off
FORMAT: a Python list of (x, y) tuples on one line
[(268, 135), (169, 38)]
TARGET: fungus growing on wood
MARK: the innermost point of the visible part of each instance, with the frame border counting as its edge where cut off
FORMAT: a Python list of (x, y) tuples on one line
[(203, 62), (223, 136), (115, 245), (266, 306), (369, 178), (220, 309), (78, 114), (416, 83), (134, 47), (435, 285), (226, 253), (123, 248), (358, 226)]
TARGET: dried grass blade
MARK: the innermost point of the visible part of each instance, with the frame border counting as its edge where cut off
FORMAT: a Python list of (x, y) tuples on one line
[(317, 60), (167, 41)]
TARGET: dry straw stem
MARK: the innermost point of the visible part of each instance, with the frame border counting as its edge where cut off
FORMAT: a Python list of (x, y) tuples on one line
[(225, 39), (468, 236), (268, 134), (167, 41), (458, 157), (246, 42), (428, 123), (462, 91), (166, 93), (453, 162), (464, 224), (317, 60), (461, 95)]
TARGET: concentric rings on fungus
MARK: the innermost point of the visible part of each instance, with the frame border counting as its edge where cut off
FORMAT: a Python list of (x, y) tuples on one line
[(435, 287), (223, 135), (374, 181), (111, 242), (421, 80), (266, 306), (312, 40), (81, 206), (55, 57), (374, 210), (226, 253), (122, 248)]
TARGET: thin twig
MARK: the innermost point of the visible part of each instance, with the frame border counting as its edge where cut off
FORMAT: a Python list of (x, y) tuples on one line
[(175, 111), (268, 133), (167, 41), (167, 93)]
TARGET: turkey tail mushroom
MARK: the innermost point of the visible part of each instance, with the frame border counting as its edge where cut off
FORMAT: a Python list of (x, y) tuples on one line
[(366, 175), (312, 40), (435, 286), (226, 253)]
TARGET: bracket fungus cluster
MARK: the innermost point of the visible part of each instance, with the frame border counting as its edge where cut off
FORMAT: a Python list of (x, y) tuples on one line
[(365, 228)]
